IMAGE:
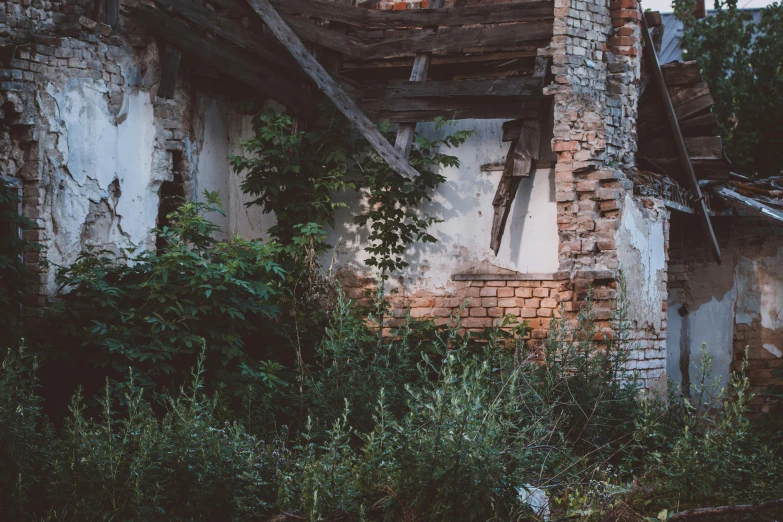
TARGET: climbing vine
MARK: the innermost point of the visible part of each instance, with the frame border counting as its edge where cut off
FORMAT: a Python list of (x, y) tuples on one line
[(300, 175)]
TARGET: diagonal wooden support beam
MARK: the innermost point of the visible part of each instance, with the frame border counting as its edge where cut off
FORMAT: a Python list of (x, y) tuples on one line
[(331, 88), (682, 151), (421, 65), (520, 161)]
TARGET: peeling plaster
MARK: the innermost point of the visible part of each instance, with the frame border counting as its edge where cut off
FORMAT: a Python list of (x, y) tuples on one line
[(641, 252), (690, 325), (104, 190), (760, 287), (774, 350)]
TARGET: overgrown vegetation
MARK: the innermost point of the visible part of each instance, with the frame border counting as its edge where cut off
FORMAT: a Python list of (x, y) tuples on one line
[(186, 405), (742, 62), (427, 424)]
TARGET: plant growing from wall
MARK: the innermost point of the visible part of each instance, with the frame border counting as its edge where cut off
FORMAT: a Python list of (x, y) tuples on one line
[(304, 176)]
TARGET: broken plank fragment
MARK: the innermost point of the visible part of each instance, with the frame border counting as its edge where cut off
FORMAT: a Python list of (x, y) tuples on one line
[(520, 161), (331, 88)]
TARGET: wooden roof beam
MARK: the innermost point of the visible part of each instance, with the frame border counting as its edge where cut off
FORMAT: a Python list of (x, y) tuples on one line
[(331, 88), (652, 59)]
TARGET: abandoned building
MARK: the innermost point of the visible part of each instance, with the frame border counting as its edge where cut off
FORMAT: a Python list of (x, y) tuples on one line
[(589, 158)]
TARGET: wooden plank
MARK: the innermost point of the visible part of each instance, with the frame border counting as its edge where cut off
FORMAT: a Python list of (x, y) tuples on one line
[(421, 65), (459, 38), (330, 87), (681, 73), (520, 161), (527, 10), (454, 88), (448, 39), (267, 49), (653, 18), (693, 183), (169, 68), (747, 204), (113, 13), (698, 147), (422, 109), (225, 60), (448, 59), (704, 169)]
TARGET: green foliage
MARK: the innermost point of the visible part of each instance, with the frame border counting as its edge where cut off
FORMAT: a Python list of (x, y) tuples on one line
[(300, 176), (156, 308), (25, 437), (715, 452), (14, 274), (186, 464), (427, 423), (742, 62)]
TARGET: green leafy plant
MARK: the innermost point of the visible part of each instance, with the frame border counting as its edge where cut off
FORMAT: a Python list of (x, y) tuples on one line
[(741, 61), (15, 275), (299, 175), (156, 307)]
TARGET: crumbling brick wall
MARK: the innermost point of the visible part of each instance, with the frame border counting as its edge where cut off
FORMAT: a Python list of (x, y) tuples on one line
[(48, 50)]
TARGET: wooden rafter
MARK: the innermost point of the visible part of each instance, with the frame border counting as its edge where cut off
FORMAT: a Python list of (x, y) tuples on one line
[(331, 88), (421, 65), (652, 60), (526, 10), (223, 59)]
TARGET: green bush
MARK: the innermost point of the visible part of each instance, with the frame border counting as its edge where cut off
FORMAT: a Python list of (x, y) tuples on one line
[(154, 310), (428, 423)]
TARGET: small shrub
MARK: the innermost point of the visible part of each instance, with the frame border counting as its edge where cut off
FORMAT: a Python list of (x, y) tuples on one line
[(154, 310)]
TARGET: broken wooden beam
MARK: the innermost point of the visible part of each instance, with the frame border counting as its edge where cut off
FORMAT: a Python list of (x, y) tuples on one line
[(331, 88), (266, 49), (526, 87), (652, 59), (520, 162), (749, 205), (457, 108), (222, 58), (524, 11), (421, 65), (169, 69)]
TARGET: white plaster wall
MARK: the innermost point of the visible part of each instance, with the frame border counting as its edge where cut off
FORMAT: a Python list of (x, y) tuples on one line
[(220, 130), (98, 159), (464, 203), (711, 324), (640, 242)]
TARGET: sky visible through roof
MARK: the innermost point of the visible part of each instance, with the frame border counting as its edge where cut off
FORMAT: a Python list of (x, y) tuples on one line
[(665, 6)]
